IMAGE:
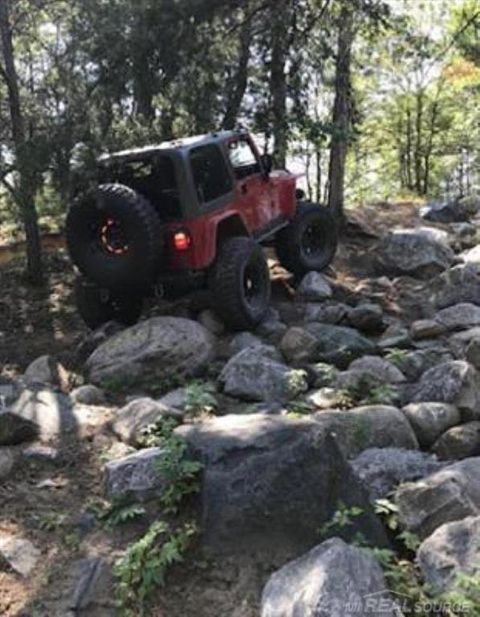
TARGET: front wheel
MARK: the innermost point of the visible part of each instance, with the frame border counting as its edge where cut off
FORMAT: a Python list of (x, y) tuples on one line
[(98, 306), (309, 242), (240, 283)]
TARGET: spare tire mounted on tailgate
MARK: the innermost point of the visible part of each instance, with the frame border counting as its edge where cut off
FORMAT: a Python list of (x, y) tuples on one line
[(114, 237)]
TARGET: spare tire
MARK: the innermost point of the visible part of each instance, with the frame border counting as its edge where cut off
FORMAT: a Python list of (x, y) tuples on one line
[(114, 237)]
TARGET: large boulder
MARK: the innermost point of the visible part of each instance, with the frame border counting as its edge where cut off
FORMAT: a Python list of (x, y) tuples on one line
[(153, 349), (430, 420), (370, 426), (263, 475), (257, 374), (419, 252), (367, 318), (459, 442), (135, 476), (451, 551), (333, 579), (382, 469), (447, 495), (339, 345), (458, 285), (456, 382), (453, 211)]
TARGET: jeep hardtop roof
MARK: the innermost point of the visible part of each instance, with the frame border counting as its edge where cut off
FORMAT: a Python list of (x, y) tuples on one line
[(176, 145)]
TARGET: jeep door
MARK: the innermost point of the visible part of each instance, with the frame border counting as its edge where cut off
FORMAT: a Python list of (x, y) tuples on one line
[(253, 189)]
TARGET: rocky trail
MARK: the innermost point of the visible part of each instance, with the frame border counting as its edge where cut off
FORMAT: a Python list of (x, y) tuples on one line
[(326, 464)]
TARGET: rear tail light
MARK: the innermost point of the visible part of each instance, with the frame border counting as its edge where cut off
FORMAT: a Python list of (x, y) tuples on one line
[(182, 240)]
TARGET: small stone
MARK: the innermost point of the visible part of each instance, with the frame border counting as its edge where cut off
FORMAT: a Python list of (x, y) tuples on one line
[(367, 318), (298, 345), (472, 352), (132, 419), (381, 369), (20, 554), (88, 395), (426, 328), (242, 340), (459, 442), (7, 462), (315, 287), (326, 312), (459, 316), (135, 475), (42, 454)]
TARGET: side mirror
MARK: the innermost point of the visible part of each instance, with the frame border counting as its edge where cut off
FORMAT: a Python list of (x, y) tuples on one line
[(267, 163)]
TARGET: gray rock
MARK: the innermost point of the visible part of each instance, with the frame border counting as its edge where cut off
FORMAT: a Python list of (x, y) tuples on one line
[(20, 554), (251, 463), (420, 252), (298, 345), (255, 374), (326, 312), (315, 287), (242, 340), (211, 322), (472, 256), (15, 429), (452, 211), (339, 345), (333, 579), (395, 336), (153, 349), (9, 392), (137, 415), (426, 328), (459, 343), (370, 426), (90, 578), (472, 352), (382, 469), (88, 395), (383, 370), (414, 363), (271, 329), (445, 496), (452, 550), (454, 382), (367, 318), (459, 442), (41, 371), (459, 316), (41, 454), (430, 420), (136, 475), (7, 462), (457, 285)]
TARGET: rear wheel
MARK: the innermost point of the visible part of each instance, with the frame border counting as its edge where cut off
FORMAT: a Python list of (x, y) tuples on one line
[(240, 283), (309, 242), (98, 306)]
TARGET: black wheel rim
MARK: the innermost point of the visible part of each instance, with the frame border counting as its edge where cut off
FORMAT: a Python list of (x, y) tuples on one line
[(255, 284)]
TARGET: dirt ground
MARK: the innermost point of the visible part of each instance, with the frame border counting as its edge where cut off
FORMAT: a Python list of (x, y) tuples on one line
[(49, 501)]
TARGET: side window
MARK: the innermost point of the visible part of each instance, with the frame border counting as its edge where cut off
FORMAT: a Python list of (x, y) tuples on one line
[(243, 159), (210, 173)]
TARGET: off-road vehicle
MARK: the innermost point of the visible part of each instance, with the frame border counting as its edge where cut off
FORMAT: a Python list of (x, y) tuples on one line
[(189, 214)]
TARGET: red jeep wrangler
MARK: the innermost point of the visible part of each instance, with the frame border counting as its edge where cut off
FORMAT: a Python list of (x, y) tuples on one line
[(192, 213)]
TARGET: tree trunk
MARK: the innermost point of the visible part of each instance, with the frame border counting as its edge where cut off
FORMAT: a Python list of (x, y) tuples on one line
[(418, 141), (280, 16), (240, 79), (26, 184), (342, 115)]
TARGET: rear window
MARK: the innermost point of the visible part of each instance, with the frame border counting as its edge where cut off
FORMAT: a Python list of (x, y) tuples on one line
[(154, 178), (210, 173)]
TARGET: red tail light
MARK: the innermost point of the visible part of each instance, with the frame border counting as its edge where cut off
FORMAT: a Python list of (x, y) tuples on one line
[(182, 240)]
